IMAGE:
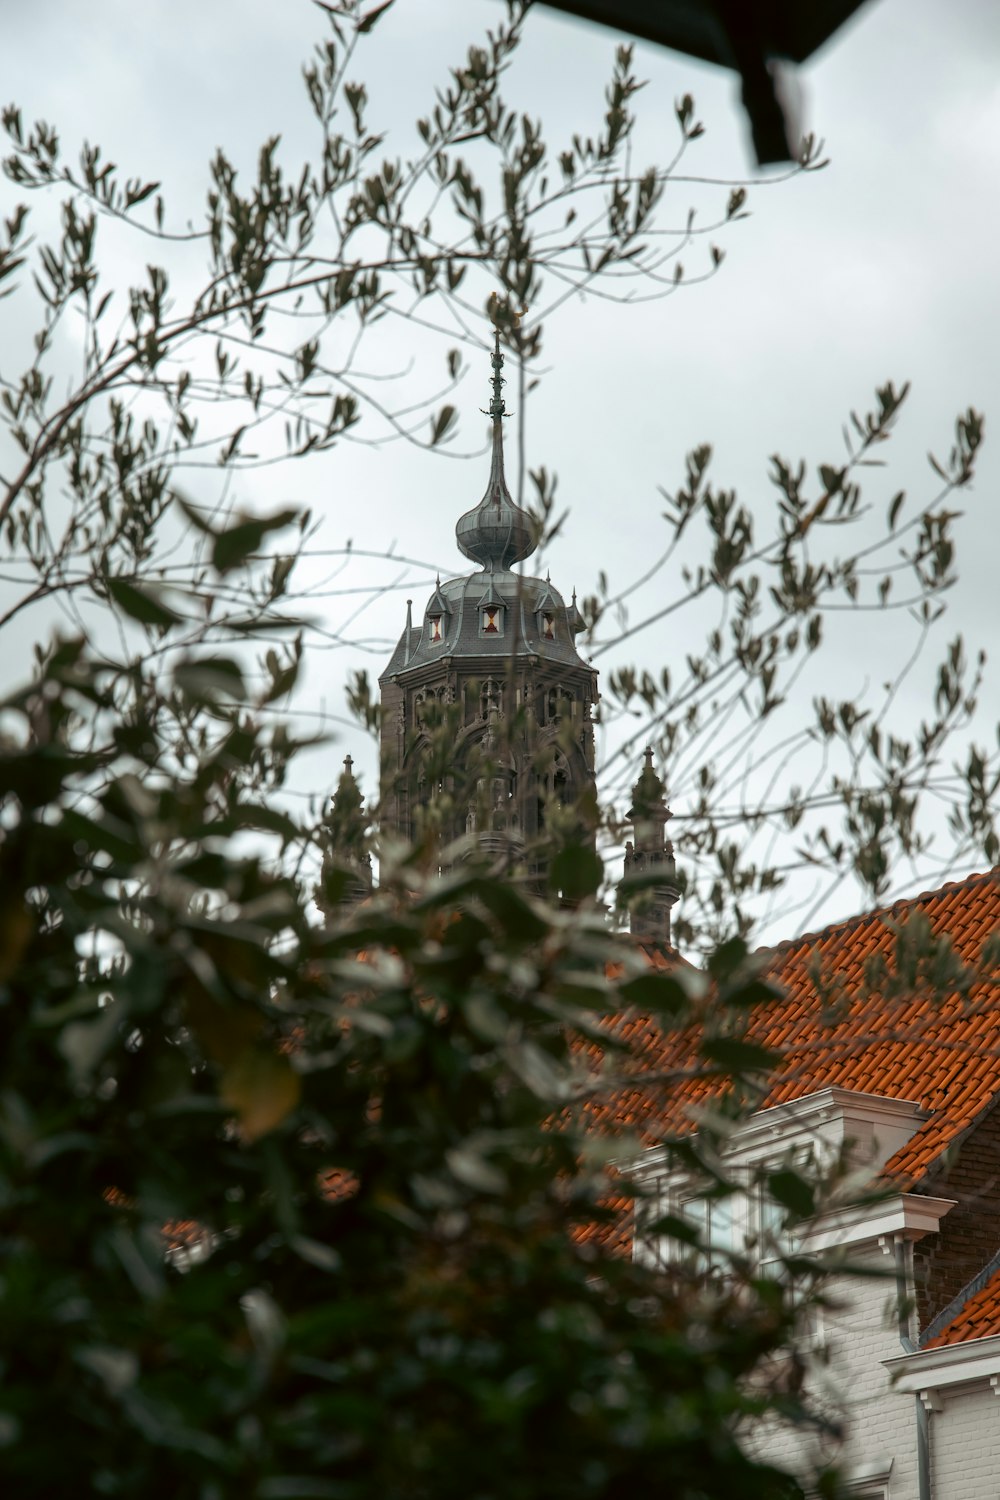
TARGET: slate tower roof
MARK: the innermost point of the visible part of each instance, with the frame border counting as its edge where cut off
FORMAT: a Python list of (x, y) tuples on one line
[(493, 656), (495, 534)]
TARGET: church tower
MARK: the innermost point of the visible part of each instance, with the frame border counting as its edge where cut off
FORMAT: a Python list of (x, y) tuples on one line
[(487, 707), (649, 884)]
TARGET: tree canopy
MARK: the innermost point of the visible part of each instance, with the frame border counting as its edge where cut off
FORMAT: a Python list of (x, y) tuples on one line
[(296, 1208)]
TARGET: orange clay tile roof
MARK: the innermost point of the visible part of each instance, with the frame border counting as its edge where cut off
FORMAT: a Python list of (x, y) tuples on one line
[(838, 1025), (978, 1319)]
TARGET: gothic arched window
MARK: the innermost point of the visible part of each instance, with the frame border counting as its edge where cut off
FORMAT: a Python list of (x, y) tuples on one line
[(558, 701)]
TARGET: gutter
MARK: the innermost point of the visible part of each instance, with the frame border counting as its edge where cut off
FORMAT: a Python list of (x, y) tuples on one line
[(923, 1415)]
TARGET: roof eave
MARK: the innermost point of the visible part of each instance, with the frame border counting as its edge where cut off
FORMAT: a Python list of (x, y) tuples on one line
[(928, 1370)]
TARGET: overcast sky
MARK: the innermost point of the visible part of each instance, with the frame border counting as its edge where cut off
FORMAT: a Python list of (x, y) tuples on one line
[(883, 266)]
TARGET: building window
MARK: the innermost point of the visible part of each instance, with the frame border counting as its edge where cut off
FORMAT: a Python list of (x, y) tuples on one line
[(722, 1224), (434, 629), (492, 619), (548, 627), (745, 1222), (768, 1221)]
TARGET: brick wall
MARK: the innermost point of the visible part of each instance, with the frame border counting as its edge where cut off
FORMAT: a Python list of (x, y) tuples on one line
[(394, 813), (970, 1234)]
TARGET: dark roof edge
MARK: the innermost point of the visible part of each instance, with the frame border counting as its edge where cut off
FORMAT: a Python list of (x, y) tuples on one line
[(809, 938), (959, 1302)]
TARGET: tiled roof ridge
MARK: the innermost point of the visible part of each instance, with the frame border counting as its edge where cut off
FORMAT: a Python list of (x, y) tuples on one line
[(981, 877), (938, 1326), (671, 955)]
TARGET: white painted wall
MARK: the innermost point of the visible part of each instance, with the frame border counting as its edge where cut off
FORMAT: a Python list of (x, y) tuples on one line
[(859, 1331), (965, 1445)]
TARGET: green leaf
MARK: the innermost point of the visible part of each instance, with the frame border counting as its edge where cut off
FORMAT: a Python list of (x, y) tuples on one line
[(751, 992), (8, 267), (677, 1229), (658, 994), (727, 958), (538, 1071), (474, 1171), (739, 1057), (372, 17), (442, 424), (17, 924), (486, 1019), (206, 679), (256, 815), (792, 1192), (261, 1089), (84, 1043), (511, 908), (576, 872), (194, 515), (139, 194), (109, 834), (117, 1369), (233, 546), (142, 604), (323, 1257)]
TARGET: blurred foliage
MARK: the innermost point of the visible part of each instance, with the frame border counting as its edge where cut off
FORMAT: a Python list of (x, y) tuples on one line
[(298, 1210), (291, 1209)]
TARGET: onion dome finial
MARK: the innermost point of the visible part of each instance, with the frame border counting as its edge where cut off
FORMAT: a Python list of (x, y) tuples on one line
[(496, 533)]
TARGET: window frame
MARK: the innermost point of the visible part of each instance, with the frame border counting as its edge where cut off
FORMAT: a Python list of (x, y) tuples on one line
[(752, 1220), (491, 609)]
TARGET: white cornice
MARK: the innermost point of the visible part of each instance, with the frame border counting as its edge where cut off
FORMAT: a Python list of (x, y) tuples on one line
[(815, 1109), (907, 1216), (782, 1125), (928, 1370)]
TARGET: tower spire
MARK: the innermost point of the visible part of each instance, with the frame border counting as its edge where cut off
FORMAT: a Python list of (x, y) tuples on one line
[(497, 409), (497, 533), (346, 876), (650, 870)]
